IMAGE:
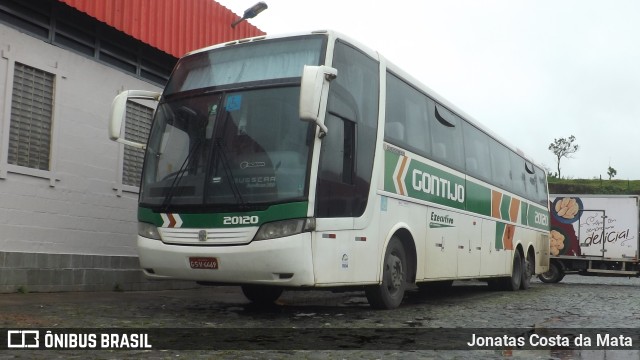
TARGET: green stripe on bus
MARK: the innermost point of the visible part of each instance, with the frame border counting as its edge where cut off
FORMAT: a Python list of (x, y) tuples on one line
[(293, 210), (390, 163), (425, 182), (524, 210), (538, 218), (429, 183), (478, 199), (500, 227), (504, 207)]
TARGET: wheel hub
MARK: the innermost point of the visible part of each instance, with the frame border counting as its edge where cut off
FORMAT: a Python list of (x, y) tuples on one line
[(394, 266)]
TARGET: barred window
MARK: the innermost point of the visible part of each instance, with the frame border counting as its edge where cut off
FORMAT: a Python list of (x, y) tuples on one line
[(31, 117), (137, 125)]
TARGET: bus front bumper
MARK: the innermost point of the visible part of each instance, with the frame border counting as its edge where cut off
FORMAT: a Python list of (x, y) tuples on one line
[(284, 261)]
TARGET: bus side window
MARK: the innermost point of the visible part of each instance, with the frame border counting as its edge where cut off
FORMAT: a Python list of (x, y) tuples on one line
[(500, 165), (394, 131), (543, 196), (532, 182), (477, 157), (446, 137), (518, 174), (407, 122)]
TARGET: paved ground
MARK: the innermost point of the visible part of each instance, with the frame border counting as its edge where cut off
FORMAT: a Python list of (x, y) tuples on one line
[(335, 318)]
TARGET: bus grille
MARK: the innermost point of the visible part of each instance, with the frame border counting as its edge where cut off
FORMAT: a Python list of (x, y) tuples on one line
[(233, 236)]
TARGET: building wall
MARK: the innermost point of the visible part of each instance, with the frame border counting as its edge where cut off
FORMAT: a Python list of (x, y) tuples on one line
[(73, 227)]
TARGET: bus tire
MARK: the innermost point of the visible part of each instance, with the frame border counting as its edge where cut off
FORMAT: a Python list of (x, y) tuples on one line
[(390, 293), (513, 282), (528, 267), (261, 294), (553, 275)]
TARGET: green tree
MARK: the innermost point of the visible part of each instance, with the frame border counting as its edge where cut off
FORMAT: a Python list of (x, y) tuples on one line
[(563, 148), (611, 172)]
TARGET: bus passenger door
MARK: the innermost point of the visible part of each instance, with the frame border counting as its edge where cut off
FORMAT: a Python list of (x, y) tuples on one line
[(469, 246), (442, 244)]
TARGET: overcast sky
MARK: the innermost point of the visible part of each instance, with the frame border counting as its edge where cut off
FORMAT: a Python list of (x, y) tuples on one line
[(531, 71)]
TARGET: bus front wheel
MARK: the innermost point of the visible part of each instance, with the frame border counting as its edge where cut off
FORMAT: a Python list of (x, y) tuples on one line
[(262, 295), (389, 294)]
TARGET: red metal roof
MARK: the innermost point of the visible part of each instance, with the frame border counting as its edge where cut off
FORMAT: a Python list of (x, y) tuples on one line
[(173, 26)]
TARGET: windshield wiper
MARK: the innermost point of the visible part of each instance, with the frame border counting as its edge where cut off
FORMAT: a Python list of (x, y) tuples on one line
[(178, 176), (227, 170)]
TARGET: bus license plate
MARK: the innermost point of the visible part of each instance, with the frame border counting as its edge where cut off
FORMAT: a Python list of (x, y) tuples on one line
[(203, 263)]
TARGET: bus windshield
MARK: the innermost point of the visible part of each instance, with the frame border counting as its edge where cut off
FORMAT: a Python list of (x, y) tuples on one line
[(228, 149), (217, 144)]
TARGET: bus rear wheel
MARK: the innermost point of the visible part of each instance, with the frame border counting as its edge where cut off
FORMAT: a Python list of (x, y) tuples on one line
[(529, 268), (390, 293), (513, 282), (262, 295)]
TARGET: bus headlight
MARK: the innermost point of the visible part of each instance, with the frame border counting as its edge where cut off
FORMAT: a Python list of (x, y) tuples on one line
[(148, 230), (284, 228)]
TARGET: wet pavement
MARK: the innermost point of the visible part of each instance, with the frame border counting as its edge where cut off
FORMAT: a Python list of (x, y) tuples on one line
[(319, 324)]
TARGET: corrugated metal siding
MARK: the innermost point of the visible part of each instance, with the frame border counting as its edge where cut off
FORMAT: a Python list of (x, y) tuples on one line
[(173, 26)]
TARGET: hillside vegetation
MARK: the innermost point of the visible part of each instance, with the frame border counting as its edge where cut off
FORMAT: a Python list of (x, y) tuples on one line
[(594, 186)]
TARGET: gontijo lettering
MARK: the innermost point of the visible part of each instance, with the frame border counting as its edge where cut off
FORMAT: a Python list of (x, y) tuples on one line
[(433, 185)]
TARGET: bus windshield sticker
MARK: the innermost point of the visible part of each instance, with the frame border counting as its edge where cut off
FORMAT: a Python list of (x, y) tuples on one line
[(213, 109), (234, 103)]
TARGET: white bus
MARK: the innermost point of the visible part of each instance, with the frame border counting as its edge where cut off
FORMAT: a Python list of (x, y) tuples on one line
[(309, 161)]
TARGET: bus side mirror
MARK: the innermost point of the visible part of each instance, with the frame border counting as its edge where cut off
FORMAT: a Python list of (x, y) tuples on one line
[(313, 94), (119, 112)]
